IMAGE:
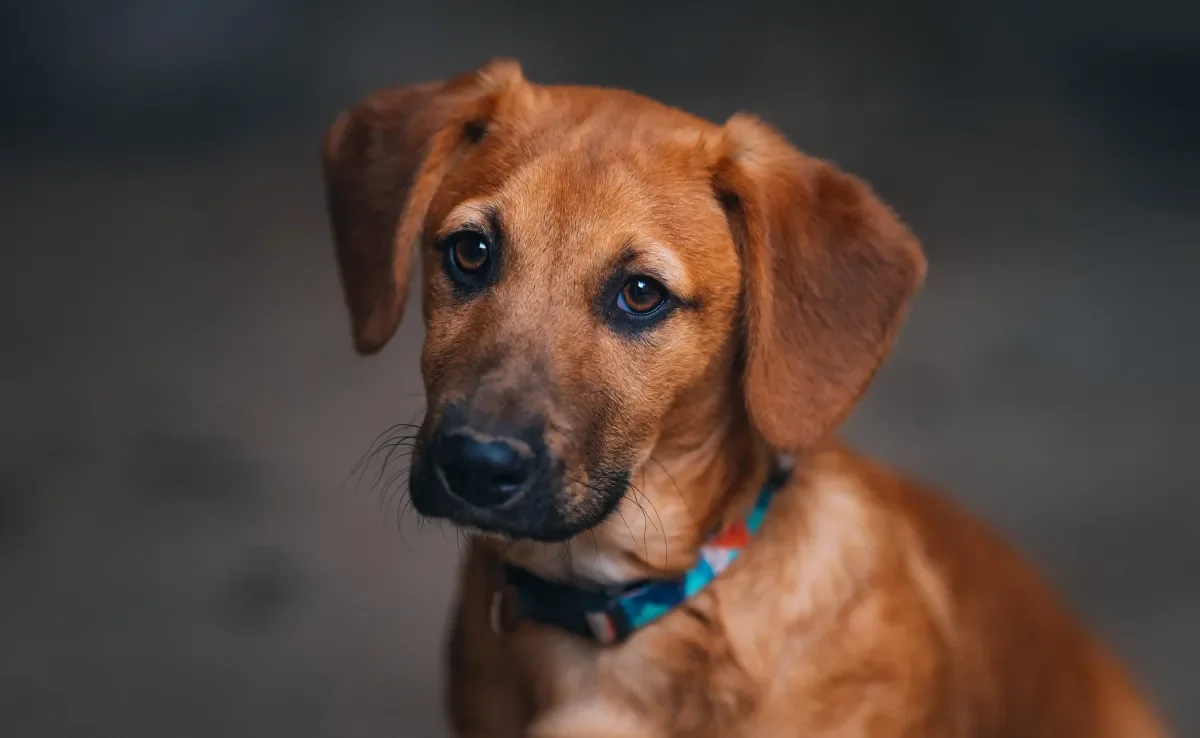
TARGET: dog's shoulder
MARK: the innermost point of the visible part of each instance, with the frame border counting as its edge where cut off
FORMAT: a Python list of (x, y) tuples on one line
[(834, 601), (1005, 648)]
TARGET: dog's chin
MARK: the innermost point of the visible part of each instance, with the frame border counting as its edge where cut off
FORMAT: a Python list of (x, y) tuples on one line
[(547, 512)]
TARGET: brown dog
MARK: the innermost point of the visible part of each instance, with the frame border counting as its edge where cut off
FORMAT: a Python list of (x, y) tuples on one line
[(641, 330)]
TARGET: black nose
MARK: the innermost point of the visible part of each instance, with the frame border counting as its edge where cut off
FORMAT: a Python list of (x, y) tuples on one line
[(483, 470)]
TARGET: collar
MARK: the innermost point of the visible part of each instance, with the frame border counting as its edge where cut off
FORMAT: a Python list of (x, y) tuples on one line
[(609, 616)]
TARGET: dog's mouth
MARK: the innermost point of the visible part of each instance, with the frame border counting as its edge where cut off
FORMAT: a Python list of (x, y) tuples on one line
[(549, 507)]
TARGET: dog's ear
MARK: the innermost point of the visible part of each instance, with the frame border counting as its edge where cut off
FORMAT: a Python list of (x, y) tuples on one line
[(383, 161), (828, 274)]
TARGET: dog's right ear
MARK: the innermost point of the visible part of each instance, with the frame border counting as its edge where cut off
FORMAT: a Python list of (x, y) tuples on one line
[(383, 161), (829, 271)]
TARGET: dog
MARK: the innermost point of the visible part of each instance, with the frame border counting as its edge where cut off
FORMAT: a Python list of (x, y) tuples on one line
[(642, 330)]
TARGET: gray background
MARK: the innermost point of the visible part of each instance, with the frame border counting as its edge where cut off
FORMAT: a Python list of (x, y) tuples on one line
[(180, 401)]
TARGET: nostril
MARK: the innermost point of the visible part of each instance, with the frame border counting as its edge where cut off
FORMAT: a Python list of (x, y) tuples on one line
[(509, 479)]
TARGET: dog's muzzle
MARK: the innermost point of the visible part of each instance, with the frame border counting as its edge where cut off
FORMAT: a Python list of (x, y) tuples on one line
[(500, 476)]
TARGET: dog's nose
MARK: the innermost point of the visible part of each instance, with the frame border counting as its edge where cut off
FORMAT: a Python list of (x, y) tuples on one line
[(483, 470)]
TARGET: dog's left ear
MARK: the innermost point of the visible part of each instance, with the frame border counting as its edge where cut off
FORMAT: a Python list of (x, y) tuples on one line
[(383, 160), (828, 274)]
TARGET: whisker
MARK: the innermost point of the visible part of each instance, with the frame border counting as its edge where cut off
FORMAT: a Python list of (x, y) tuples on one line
[(660, 528), (408, 442), (596, 545), (566, 549), (393, 486), (389, 445), (401, 509), (372, 449), (632, 537), (675, 484)]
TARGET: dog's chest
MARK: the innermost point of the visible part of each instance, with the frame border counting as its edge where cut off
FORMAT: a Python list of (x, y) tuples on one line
[(681, 678)]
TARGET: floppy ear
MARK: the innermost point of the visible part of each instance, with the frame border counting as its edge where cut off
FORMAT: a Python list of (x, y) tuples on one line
[(829, 271), (383, 161)]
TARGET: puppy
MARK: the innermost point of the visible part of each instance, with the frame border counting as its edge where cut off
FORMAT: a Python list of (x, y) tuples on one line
[(641, 330)]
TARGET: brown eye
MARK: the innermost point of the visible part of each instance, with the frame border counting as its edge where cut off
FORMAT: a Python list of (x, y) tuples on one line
[(641, 295), (470, 253), (468, 260)]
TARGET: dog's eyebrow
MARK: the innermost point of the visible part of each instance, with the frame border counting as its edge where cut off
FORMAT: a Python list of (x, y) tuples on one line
[(658, 262), (665, 265), (475, 216)]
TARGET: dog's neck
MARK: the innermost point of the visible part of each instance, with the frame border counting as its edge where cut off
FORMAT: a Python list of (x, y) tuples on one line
[(705, 472)]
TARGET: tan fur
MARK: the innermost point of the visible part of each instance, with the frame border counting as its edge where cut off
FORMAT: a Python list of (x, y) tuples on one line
[(868, 606)]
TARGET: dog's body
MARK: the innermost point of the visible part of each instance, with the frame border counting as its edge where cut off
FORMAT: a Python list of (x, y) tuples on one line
[(867, 607), (631, 315)]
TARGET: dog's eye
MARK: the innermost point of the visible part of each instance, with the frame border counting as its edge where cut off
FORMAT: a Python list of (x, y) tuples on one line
[(467, 258), (641, 296), (470, 253)]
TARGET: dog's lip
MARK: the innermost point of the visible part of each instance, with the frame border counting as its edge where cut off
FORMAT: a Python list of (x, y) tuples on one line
[(491, 522), (475, 530), (485, 525)]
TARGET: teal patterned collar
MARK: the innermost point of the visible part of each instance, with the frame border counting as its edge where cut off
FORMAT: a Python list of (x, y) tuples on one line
[(610, 616)]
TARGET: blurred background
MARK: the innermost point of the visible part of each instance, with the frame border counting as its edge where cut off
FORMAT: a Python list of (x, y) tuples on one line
[(179, 400)]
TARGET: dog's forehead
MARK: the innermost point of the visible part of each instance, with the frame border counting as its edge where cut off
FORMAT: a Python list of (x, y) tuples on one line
[(589, 177), (558, 115)]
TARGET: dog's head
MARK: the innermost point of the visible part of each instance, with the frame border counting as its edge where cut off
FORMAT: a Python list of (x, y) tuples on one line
[(604, 278)]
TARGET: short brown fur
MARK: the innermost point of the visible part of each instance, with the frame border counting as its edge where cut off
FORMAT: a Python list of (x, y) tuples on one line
[(868, 606)]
